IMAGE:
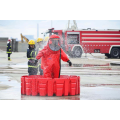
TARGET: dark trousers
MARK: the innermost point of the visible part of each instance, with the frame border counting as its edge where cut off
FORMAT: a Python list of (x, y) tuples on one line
[(9, 56), (40, 70), (32, 71)]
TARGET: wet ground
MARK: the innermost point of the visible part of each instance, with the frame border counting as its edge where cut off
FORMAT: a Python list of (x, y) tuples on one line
[(100, 78), (9, 88)]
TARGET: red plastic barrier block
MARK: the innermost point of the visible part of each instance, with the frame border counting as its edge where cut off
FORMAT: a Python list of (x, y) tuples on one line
[(28, 81), (76, 92), (28, 91), (23, 85), (42, 91), (73, 85), (34, 87), (42, 85), (59, 91), (59, 81), (73, 80), (50, 88), (43, 82), (37, 83), (72, 92), (66, 87), (54, 87), (59, 86), (78, 85)]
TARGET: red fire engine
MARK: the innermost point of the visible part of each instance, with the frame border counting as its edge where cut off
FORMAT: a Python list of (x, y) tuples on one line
[(75, 42)]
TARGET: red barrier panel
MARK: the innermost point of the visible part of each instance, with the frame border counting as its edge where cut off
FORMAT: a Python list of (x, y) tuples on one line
[(78, 85), (50, 88), (63, 86), (23, 85), (59, 86), (42, 87), (28, 83)]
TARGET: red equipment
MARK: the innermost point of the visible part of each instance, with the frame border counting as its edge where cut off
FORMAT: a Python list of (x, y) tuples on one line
[(9, 40), (74, 42), (37, 84), (54, 36), (50, 62)]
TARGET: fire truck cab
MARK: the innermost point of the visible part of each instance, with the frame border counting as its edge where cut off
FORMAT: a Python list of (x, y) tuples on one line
[(75, 42)]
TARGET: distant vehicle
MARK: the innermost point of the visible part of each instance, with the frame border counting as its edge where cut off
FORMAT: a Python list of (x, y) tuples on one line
[(75, 42)]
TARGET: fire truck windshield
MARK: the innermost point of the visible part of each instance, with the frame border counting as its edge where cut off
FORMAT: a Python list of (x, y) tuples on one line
[(46, 34)]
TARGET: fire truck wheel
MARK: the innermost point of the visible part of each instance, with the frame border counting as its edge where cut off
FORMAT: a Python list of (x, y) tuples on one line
[(77, 52), (115, 53), (108, 55)]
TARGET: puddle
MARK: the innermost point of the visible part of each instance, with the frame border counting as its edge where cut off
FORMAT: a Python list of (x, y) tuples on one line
[(83, 65), (100, 79), (86, 65), (91, 68), (11, 88), (114, 64), (100, 87), (100, 93)]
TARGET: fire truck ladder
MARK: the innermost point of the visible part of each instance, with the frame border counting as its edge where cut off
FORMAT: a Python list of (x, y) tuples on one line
[(73, 27)]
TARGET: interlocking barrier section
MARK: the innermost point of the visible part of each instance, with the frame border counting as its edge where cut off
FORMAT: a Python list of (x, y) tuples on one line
[(37, 85)]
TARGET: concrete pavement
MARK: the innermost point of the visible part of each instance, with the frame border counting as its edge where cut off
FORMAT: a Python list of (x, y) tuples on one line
[(99, 76)]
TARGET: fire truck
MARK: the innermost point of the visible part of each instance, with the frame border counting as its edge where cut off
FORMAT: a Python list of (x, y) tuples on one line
[(75, 42)]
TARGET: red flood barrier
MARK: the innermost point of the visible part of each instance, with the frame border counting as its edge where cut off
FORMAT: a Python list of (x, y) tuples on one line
[(38, 85)]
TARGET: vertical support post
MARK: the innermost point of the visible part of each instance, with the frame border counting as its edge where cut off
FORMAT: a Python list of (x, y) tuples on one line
[(37, 30), (51, 23)]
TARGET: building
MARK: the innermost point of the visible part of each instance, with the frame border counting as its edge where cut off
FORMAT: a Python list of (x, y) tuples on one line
[(3, 43)]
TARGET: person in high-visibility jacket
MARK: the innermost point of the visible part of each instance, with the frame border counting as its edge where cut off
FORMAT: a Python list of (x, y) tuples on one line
[(9, 51), (51, 56), (31, 55), (45, 41), (40, 47)]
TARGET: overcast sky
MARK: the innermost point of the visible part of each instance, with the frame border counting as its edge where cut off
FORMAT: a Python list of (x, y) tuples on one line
[(13, 28)]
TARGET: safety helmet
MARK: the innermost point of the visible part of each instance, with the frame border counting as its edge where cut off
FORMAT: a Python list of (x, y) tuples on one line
[(54, 36), (31, 42), (39, 40), (46, 38), (9, 40), (54, 42)]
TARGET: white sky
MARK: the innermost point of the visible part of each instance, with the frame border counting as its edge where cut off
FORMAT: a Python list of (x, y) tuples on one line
[(25, 15), (13, 28)]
